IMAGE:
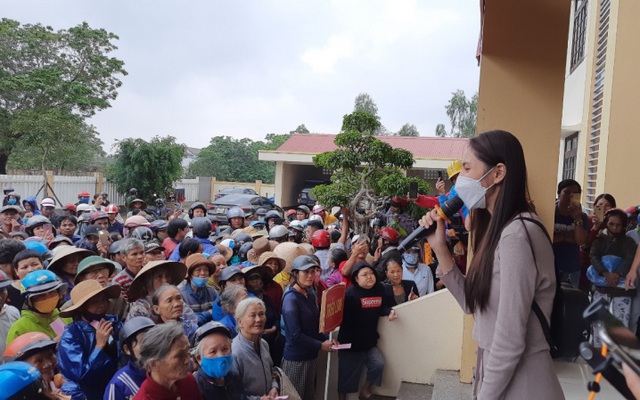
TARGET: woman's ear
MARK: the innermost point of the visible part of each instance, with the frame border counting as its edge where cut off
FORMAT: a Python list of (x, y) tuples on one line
[(499, 173), (156, 309)]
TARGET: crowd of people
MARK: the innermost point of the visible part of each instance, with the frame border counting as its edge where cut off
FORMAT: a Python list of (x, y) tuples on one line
[(108, 304), (99, 303)]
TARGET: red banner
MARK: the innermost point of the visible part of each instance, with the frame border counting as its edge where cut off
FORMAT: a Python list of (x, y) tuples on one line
[(332, 307)]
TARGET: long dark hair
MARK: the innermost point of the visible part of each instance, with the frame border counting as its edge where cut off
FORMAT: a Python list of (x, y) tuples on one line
[(491, 148)]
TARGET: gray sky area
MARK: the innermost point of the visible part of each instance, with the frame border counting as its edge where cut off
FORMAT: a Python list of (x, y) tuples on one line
[(206, 68)]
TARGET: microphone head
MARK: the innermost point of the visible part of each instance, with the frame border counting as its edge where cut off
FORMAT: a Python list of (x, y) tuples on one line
[(451, 206)]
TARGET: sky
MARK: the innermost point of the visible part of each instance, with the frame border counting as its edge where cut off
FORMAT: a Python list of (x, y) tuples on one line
[(204, 68)]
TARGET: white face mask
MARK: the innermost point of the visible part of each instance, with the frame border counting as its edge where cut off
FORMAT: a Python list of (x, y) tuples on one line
[(472, 192)]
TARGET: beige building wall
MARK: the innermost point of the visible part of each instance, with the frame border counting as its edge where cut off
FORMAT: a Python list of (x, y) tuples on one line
[(619, 141)]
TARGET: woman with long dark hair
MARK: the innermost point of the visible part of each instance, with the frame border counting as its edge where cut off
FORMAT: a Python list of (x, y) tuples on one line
[(512, 267)]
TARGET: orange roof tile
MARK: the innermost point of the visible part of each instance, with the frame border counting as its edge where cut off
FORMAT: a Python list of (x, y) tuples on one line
[(420, 147)]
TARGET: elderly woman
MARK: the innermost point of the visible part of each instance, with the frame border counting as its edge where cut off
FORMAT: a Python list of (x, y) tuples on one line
[(88, 351), (395, 287), (220, 261), (168, 305), (143, 291), (229, 299), (273, 290), (229, 277), (194, 290), (216, 378), (164, 354), (251, 352)]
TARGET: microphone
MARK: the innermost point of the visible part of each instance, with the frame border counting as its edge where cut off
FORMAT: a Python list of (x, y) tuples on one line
[(447, 210)]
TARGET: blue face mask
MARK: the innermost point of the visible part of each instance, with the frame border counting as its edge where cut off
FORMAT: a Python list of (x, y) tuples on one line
[(235, 260), (217, 367), (13, 202), (410, 259), (199, 282), (25, 220), (84, 200)]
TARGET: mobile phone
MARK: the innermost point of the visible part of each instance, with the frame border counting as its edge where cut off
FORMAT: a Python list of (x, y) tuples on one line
[(575, 199), (440, 175), (48, 229), (413, 190), (104, 238), (598, 212)]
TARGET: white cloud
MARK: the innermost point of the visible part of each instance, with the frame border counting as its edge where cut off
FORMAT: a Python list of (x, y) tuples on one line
[(322, 60)]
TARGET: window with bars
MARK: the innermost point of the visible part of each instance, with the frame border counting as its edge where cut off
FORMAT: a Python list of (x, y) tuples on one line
[(570, 155), (579, 33)]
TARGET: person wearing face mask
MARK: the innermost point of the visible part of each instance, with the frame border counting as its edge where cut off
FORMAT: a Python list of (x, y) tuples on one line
[(194, 290), (510, 274), (43, 293), (414, 270), (216, 377), (127, 381), (88, 351)]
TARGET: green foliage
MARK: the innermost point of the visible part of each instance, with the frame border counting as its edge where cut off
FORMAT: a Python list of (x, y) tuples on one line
[(151, 167), (236, 160), (300, 129), (54, 139), (364, 103), (462, 114), (365, 170), (408, 130), (42, 70)]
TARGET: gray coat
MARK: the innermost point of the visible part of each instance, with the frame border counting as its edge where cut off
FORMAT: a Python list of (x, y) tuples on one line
[(513, 356), (254, 367)]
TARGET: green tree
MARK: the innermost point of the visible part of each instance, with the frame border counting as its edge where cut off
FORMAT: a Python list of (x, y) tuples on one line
[(408, 130), (463, 113), (54, 139), (236, 160), (151, 167), (300, 129), (42, 70), (365, 171), (365, 104)]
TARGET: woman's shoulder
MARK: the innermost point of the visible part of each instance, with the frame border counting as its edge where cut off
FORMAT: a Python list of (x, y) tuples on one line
[(525, 224)]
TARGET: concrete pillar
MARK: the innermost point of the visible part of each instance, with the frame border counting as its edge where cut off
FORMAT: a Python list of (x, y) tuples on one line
[(279, 179), (48, 175), (212, 191), (99, 181), (522, 74), (258, 188)]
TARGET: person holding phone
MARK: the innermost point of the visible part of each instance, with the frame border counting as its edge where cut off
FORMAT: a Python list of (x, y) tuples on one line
[(604, 202), (570, 230)]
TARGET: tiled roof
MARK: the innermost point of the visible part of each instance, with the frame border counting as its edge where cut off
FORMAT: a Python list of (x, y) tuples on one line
[(420, 147)]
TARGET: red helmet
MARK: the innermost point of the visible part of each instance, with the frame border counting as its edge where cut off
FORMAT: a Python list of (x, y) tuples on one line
[(28, 344), (111, 209), (84, 193), (70, 206), (389, 234), (321, 239)]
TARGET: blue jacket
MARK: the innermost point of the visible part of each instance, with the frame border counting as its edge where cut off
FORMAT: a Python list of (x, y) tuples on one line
[(33, 202), (301, 316), (116, 227), (125, 383), (200, 301), (86, 369), (444, 197), (207, 247)]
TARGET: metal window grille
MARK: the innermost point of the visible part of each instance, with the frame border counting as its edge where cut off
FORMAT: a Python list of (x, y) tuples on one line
[(579, 33), (597, 101), (570, 155)]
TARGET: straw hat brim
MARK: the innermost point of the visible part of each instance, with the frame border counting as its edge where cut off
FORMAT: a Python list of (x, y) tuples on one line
[(177, 270), (55, 265), (112, 292), (265, 272)]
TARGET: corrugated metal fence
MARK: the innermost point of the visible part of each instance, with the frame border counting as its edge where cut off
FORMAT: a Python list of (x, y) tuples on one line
[(66, 188)]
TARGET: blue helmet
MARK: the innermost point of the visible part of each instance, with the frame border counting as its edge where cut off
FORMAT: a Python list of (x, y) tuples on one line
[(41, 281), (20, 380)]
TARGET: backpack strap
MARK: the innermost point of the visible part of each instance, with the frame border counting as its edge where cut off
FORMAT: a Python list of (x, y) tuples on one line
[(534, 306)]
